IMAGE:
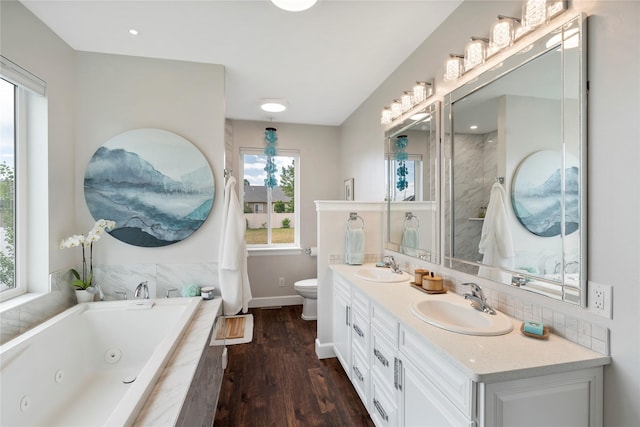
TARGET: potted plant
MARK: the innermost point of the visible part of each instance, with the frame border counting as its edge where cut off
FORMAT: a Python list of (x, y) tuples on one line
[(85, 288)]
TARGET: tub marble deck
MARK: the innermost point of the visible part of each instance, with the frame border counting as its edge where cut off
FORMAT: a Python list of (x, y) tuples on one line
[(168, 395)]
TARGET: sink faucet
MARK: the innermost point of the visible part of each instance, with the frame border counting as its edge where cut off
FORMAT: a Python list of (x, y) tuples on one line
[(477, 298), (142, 291), (391, 263)]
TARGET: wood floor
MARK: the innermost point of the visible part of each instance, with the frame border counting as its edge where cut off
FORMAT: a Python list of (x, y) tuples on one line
[(277, 379)]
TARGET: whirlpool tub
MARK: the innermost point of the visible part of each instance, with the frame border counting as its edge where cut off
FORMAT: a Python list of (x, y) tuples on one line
[(92, 365)]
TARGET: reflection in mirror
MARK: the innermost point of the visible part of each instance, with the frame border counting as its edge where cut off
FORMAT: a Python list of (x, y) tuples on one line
[(412, 185), (516, 145)]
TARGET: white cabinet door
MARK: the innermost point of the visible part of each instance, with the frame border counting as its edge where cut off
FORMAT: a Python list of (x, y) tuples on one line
[(342, 326), (566, 399), (422, 404)]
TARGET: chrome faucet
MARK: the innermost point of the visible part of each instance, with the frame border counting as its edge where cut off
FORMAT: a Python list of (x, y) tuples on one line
[(391, 263), (477, 298), (142, 291)]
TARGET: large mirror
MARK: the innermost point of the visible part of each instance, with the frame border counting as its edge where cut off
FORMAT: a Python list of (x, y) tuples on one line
[(412, 152), (515, 150)]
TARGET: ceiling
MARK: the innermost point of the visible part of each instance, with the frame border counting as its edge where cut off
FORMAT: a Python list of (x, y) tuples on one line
[(324, 61)]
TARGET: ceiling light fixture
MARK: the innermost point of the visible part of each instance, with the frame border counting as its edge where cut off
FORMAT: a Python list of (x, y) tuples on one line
[(133, 32), (294, 5), (273, 105)]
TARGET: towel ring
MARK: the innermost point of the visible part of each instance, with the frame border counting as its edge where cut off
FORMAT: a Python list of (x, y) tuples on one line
[(353, 216)]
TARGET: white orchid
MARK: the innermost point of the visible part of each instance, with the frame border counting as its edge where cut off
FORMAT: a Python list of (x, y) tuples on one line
[(87, 241)]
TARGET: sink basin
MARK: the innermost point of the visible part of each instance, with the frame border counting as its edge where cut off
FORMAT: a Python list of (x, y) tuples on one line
[(460, 317), (382, 275)]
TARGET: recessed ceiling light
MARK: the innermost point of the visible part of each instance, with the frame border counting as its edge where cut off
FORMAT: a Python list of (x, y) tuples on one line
[(273, 105), (133, 32), (294, 5), (473, 127)]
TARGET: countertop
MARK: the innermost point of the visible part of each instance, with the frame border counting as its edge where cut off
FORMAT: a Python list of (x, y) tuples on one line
[(485, 359), (163, 405)]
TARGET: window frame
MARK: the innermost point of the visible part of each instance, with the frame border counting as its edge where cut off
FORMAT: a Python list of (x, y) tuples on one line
[(274, 248)]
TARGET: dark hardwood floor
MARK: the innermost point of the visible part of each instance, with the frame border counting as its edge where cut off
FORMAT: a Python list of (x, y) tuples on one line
[(277, 379)]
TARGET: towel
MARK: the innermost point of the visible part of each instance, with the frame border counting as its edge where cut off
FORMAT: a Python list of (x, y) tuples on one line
[(354, 246), (496, 243), (232, 258), (410, 241)]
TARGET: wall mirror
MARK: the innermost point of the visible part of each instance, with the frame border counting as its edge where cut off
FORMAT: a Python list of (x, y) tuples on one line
[(515, 154), (412, 152)]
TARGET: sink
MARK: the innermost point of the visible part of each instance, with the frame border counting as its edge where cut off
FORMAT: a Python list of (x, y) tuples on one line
[(382, 275), (460, 317)]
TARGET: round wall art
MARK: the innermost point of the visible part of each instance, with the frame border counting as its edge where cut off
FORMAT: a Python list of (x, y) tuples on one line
[(537, 193), (156, 186)]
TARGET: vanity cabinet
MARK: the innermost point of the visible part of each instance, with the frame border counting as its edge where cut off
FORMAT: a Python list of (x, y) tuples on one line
[(405, 378)]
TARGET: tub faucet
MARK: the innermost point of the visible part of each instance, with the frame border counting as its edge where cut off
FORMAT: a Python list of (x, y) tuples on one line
[(142, 291), (477, 298), (391, 263)]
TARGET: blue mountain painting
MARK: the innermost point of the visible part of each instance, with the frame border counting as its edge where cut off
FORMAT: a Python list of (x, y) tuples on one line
[(150, 209), (539, 209)]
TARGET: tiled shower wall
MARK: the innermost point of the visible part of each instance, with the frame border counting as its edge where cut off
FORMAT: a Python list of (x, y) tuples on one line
[(117, 278)]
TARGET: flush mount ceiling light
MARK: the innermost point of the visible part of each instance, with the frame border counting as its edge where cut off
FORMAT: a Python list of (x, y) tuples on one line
[(133, 32), (273, 105), (294, 5)]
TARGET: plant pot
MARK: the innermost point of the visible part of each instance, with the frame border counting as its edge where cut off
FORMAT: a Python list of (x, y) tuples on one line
[(82, 295)]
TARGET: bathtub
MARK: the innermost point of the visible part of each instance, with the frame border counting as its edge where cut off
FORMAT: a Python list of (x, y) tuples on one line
[(92, 365)]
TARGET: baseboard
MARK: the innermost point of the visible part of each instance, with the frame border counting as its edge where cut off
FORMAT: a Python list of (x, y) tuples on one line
[(275, 301), (324, 351)]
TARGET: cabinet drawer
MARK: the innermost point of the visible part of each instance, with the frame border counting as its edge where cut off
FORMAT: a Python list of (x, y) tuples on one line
[(385, 323), (383, 407), (382, 357), (360, 332), (454, 385), (360, 375), (360, 303)]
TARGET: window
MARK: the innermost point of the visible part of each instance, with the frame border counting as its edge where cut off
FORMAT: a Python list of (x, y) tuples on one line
[(413, 191), (8, 93), (271, 214)]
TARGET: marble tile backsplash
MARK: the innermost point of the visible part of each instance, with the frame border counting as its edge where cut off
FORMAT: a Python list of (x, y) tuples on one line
[(113, 279)]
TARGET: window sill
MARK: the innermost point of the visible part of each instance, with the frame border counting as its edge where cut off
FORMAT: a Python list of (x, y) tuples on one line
[(274, 251), (19, 300)]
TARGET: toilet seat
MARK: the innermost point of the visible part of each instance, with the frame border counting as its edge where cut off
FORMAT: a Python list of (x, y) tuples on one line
[(307, 283)]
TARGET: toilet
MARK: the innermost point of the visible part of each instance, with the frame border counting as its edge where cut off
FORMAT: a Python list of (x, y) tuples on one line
[(308, 290)]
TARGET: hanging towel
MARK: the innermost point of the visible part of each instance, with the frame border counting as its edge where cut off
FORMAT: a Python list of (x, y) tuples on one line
[(496, 243), (232, 258), (354, 246), (410, 240)]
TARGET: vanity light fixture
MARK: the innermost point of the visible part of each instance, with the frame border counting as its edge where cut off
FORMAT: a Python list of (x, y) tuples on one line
[(396, 109), (294, 5), (385, 118), (421, 91), (453, 68), (406, 100), (502, 33), (475, 52), (273, 105)]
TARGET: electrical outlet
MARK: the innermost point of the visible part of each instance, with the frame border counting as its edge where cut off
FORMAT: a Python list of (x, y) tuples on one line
[(600, 299), (281, 282)]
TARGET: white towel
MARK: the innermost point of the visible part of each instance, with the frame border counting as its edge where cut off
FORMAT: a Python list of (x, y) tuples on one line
[(410, 241), (496, 243), (354, 246), (232, 258)]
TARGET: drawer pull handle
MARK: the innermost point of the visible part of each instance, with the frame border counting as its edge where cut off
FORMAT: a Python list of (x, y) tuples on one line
[(358, 330), (358, 374), (380, 357), (380, 409)]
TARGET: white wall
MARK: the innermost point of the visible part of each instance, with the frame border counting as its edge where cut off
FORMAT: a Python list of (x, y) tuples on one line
[(113, 94), (319, 151), (613, 133)]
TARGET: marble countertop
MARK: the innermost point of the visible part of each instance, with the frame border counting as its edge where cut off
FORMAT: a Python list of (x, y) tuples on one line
[(163, 405), (482, 358)]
